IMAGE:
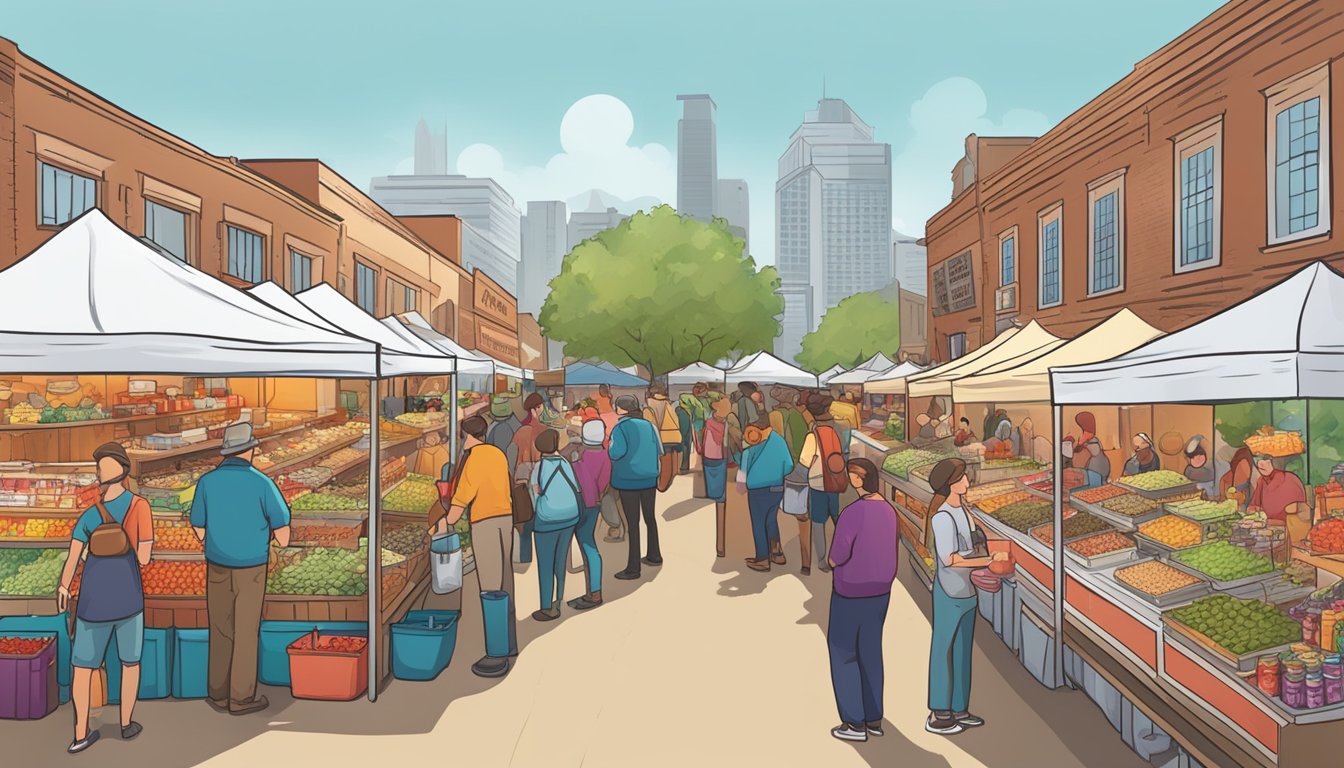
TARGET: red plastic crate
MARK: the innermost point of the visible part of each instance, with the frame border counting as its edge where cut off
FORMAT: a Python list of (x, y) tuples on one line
[(329, 667), (28, 685)]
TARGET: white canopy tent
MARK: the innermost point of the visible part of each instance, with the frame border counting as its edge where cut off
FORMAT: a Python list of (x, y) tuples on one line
[(694, 374), (863, 372), (502, 368), (96, 299), (1032, 340), (764, 367), (468, 363), (890, 384), (894, 373), (402, 353), (824, 378)]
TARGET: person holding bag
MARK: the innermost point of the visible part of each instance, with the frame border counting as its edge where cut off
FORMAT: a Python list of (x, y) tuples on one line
[(959, 548), (558, 503), (116, 536)]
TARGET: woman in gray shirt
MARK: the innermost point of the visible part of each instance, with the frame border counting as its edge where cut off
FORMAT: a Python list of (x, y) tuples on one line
[(954, 601)]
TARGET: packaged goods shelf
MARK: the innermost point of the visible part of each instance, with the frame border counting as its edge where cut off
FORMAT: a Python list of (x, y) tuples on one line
[(112, 420)]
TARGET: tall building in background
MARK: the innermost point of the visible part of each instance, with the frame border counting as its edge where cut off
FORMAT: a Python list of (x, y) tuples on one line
[(431, 151), (832, 212), (545, 243), (734, 205), (492, 224), (697, 157), (585, 224), (910, 263)]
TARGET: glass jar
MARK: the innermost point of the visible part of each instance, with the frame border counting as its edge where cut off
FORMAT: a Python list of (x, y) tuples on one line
[(1334, 689), (1294, 693), (1267, 675), (1315, 692)]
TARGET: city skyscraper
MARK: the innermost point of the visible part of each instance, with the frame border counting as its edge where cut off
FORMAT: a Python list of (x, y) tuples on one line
[(832, 214), (545, 243), (697, 157), (585, 224), (734, 205), (431, 151), (910, 263)]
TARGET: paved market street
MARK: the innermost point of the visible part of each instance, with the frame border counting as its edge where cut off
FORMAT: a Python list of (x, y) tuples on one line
[(704, 663)]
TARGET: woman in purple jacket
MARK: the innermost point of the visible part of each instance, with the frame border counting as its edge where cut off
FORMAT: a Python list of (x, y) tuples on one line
[(593, 470), (863, 556)]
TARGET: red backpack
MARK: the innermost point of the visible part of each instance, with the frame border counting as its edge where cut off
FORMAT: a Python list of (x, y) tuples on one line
[(834, 476)]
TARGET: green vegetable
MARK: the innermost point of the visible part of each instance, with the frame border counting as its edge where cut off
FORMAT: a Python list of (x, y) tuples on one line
[(323, 571), (1240, 626), (902, 462), (1024, 515), (38, 577), (1223, 561)]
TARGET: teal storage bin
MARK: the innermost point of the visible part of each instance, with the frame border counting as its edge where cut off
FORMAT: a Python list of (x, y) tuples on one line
[(191, 660), (156, 666), (58, 625), (273, 659), (422, 645)]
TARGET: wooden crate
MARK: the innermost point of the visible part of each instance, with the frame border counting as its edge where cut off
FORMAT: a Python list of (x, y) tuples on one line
[(187, 612), (311, 608), (29, 606)]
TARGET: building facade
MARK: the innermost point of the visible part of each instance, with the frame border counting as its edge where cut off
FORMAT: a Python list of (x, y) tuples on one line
[(1197, 180), (697, 157), (832, 210), (734, 206), (914, 309), (585, 224), (910, 262), (545, 243)]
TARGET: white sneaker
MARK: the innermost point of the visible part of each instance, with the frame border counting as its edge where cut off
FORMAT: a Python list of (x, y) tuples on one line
[(948, 727), (847, 732)]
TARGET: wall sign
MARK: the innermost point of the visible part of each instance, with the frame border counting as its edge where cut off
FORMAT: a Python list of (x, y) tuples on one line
[(493, 302)]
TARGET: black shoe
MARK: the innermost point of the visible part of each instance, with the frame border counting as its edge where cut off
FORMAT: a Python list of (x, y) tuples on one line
[(875, 729), (79, 745), (651, 561), (490, 666), (848, 732), (967, 720), (584, 604), (546, 614), (129, 732), (628, 575)]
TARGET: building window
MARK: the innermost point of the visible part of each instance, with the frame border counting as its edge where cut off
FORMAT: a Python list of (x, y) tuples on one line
[(64, 194), (1298, 113), (168, 228), (1008, 257), (246, 255), (300, 272), (956, 345), (366, 288), (1106, 241), (1199, 196), (401, 297), (1050, 226)]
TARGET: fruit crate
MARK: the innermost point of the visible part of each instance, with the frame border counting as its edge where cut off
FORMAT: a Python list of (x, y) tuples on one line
[(1198, 641), (315, 608), (328, 674), (28, 681), (1172, 599), (1158, 495), (1123, 522), (1103, 560)]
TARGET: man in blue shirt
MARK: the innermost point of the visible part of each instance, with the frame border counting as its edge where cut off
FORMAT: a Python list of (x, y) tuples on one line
[(236, 511), (635, 450)]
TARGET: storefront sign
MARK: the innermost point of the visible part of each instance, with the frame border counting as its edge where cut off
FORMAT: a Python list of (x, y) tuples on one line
[(495, 303), (953, 285), (498, 343)]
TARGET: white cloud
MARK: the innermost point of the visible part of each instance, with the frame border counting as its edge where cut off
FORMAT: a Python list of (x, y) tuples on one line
[(940, 121), (594, 134)]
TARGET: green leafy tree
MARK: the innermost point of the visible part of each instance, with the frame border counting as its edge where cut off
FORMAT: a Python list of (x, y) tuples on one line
[(853, 331), (662, 291)]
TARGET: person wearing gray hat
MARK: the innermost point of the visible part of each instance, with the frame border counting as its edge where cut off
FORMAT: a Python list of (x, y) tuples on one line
[(236, 511)]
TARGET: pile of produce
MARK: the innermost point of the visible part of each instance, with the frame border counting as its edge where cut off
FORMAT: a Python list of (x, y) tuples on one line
[(1327, 537), (1240, 626), (65, 415), (993, 504), (24, 413), (894, 429), (405, 539), (1202, 510), (1275, 443), (1223, 561), (1081, 524), (1101, 544), (415, 495), (24, 646), (901, 463), (312, 477), (330, 643), (323, 571), (172, 481), (423, 420), (1025, 515), (342, 458), (175, 536), (990, 490), (1098, 495), (38, 577), (65, 492), (171, 578), (1173, 531), (1160, 480), (329, 502), (36, 528), (389, 558), (324, 535), (1155, 578), (1012, 463), (11, 560), (1130, 505)]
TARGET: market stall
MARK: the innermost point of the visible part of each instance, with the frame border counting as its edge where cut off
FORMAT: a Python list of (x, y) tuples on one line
[(159, 357), (824, 378), (764, 368), (584, 386), (695, 373), (1219, 618), (475, 373)]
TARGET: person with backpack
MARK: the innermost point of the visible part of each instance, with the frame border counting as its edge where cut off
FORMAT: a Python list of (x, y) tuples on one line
[(714, 455), (824, 453), (766, 462), (555, 490), (117, 535), (662, 414), (636, 452), (593, 470)]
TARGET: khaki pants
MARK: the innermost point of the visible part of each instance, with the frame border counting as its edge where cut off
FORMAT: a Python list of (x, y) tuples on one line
[(492, 546), (233, 598)]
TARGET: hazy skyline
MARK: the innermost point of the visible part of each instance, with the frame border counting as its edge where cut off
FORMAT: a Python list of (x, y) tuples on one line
[(558, 99)]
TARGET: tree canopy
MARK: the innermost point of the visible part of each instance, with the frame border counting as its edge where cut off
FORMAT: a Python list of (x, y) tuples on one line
[(663, 291), (853, 331)]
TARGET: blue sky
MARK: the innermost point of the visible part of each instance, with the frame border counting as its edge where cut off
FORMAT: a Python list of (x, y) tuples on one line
[(347, 81)]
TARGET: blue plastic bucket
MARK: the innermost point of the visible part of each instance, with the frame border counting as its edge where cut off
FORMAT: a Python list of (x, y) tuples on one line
[(495, 608), (191, 664), (156, 666), (423, 644), (273, 659)]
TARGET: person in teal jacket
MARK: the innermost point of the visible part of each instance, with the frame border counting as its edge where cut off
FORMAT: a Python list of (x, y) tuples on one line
[(766, 461), (555, 489), (635, 450)]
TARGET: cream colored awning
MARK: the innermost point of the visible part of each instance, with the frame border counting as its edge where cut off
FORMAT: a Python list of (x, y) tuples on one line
[(892, 384), (1029, 381), (1023, 345)]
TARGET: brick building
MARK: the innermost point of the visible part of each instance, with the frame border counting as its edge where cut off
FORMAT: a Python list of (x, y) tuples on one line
[(65, 149), (1198, 179)]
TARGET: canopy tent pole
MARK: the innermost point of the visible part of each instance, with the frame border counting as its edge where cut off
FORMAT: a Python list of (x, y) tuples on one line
[(453, 426), (1059, 544), (374, 567)]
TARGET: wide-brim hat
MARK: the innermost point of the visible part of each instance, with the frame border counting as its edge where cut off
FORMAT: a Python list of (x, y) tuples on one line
[(501, 407), (238, 439)]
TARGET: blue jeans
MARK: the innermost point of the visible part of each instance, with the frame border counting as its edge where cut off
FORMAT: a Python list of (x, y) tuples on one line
[(854, 636), (950, 651), (822, 505), (92, 638), (764, 506), (552, 552), (586, 532), (525, 543)]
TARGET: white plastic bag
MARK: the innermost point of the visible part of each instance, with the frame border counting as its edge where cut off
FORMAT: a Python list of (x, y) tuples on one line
[(445, 563)]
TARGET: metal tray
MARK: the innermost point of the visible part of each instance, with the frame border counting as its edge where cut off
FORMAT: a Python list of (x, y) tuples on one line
[(1157, 495), (1191, 637), (1068, 540), (1170, 599), (1104, 560), (1206, 523), (1123, 522), (1163, 551), (1038, 493), (1223, 586)]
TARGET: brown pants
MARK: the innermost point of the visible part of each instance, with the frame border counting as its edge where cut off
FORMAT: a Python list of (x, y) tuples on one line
[(233, 598), (492, 546)]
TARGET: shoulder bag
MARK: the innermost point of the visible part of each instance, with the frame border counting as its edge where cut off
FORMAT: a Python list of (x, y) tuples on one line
[(109, 539)]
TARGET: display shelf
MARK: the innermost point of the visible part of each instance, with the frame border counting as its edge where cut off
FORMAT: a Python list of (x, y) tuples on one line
[(346, 442), (141, 458), (40, 512), (20, 542), (1334, 564), (116, 420)]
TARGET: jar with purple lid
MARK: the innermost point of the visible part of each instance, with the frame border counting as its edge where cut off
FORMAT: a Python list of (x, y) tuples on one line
[(1315, 693), (1294, 692)]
